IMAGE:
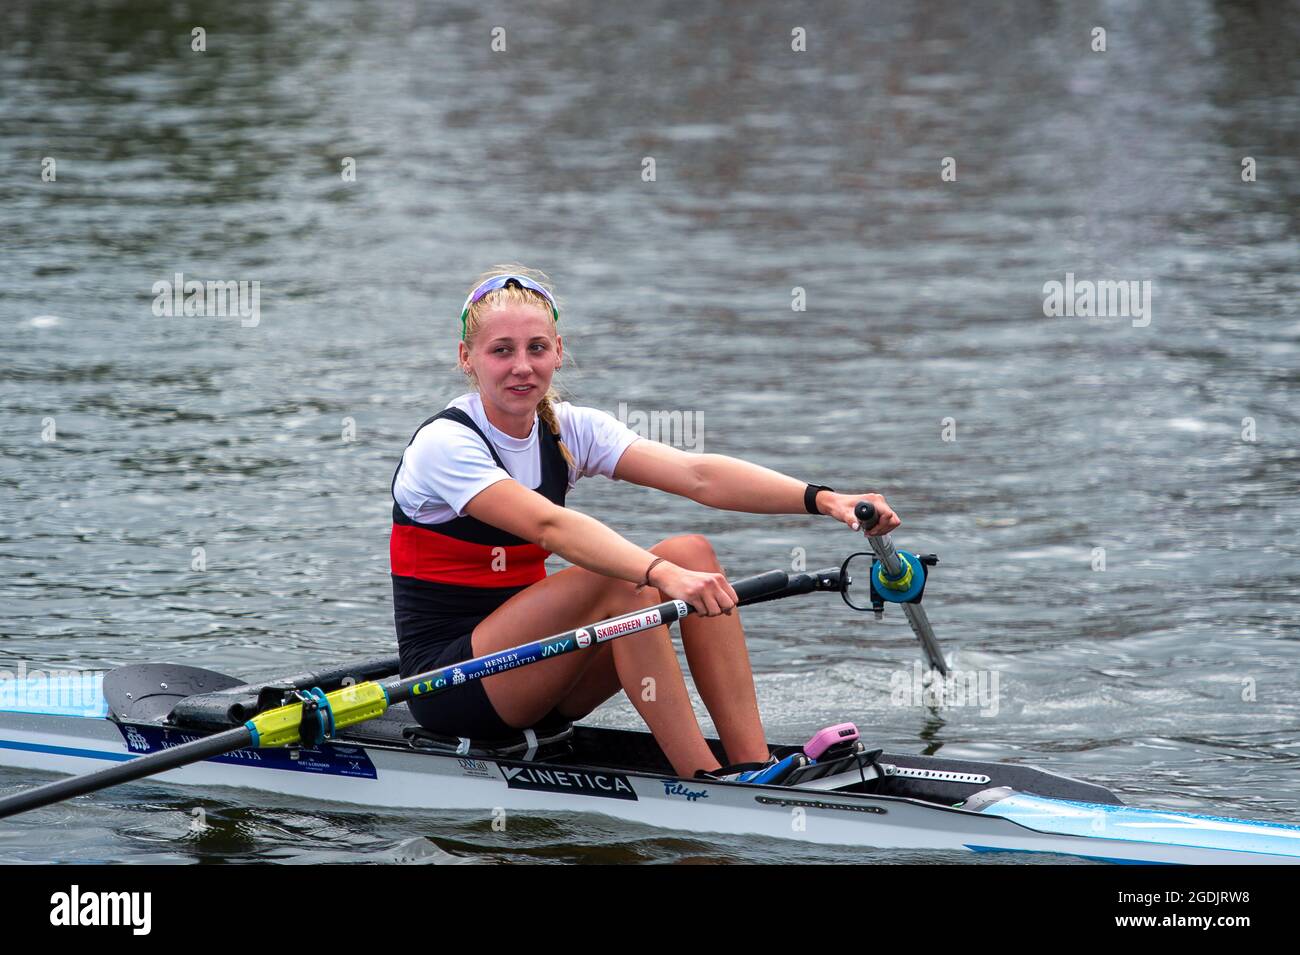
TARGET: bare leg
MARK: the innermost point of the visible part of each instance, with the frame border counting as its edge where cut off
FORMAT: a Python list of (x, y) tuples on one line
[(597, 684), (645, 667), (719, 662), (644, 664)]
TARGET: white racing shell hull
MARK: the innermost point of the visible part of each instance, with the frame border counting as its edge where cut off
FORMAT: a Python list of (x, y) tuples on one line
[(391, 776)]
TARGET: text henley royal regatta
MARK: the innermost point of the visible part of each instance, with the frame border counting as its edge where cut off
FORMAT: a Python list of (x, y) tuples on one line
[(449, 575)]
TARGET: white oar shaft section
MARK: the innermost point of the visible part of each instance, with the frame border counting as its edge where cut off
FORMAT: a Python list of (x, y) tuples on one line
[(915, 613)]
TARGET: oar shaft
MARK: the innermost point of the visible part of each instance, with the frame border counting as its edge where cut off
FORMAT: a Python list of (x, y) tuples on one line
[(192, 752), (355, 704), (363, 701), (748, 589)]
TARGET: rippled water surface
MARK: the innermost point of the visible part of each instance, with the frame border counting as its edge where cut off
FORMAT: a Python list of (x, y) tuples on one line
[(1170, 676)]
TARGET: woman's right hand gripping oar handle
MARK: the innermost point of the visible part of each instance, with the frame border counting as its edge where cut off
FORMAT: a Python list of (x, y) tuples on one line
[(873, 521), (877, 520), (865, 512)]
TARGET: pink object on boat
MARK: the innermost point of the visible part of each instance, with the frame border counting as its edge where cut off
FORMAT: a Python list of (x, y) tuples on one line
[(826, 738)]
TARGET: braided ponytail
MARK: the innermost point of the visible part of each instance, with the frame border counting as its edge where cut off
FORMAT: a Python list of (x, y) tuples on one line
[(548, 417)]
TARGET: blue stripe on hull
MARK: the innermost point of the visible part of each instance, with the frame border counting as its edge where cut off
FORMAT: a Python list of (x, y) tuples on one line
[(1153, 826), (331, 759), (65, 751)]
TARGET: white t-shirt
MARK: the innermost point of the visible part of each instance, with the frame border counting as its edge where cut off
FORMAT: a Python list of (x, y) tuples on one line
[(447, 463)]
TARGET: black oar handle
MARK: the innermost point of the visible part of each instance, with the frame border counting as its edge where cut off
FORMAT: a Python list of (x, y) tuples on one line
[(865, 512), (760, 585)]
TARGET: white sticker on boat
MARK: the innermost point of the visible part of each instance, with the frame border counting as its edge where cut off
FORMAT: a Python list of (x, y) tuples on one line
[(583, 638), (474, 767)]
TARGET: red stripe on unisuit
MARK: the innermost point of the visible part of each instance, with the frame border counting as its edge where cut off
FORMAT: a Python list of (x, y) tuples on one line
[(428, 555)]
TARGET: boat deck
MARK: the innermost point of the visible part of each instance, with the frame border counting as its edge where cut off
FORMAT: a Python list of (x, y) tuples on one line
[(631, 751)]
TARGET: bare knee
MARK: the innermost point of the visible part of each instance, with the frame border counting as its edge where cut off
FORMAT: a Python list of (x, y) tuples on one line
[(692, 551)]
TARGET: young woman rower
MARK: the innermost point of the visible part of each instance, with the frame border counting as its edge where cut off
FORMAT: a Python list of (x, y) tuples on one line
[(479, 504)]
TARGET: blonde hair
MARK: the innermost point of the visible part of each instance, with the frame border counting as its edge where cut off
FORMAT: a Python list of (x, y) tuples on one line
[(514, 295)]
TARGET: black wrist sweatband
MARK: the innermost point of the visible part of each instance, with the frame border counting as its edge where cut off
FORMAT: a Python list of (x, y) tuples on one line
[(810, 497)]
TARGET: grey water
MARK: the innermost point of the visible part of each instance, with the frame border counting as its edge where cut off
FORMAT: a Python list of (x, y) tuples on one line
[(825, 238)]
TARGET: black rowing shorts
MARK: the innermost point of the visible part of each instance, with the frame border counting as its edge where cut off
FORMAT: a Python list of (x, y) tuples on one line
[(463, 710)]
